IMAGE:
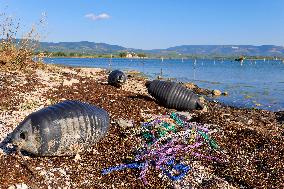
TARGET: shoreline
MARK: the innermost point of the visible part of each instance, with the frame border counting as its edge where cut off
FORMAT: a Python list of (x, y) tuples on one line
[(208, 92), (241, 132), (168, 58)]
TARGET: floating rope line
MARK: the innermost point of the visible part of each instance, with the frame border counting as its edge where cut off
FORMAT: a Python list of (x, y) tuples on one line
[(168, 138)]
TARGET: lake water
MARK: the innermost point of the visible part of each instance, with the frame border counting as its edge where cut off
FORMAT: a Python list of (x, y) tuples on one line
[(258, 84)]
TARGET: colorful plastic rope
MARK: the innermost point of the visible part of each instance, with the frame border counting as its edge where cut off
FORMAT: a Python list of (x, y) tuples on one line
[(167, 137)]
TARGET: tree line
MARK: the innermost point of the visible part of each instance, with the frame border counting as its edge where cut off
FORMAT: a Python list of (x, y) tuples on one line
[(76, 54)]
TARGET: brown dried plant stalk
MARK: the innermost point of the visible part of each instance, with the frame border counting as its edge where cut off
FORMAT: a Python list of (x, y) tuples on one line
[(17, 53)]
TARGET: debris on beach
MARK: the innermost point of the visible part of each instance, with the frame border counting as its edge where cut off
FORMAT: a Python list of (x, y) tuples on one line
[(65, 128), (170, 144), (116, 78), (251, 139), (173, 95)]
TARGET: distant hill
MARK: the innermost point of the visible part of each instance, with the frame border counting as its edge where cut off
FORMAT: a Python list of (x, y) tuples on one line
[(208, 50), (228, 50), (82, 47)]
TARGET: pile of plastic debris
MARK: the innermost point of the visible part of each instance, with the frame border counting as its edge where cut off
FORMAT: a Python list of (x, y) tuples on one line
[(168, 142)]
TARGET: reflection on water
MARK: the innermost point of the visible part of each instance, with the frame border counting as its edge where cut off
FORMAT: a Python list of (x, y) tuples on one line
[(253, 84)]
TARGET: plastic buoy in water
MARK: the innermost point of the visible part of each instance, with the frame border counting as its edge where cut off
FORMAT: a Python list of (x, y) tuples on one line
[(116, 78), (173, 95), (66, 128)]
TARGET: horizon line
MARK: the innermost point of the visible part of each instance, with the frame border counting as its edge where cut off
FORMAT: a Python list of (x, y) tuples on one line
[(165, 47)]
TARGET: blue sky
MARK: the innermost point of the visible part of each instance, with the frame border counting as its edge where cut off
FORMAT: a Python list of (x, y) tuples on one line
[(150, 24)]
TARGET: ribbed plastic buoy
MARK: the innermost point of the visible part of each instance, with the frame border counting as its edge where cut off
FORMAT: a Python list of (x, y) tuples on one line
[(116, 78), (66, 128), (173, 95)]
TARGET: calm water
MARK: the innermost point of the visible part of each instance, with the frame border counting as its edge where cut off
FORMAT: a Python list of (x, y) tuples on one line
[(254, 84)]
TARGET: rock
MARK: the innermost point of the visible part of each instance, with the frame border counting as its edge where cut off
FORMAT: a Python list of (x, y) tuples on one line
[(63, 172), (201, 99), (250, 121), (225, 93), (186, 114), (77, 157), (202, 91), (205, 109), (124, 123), (19, 186), (38, 168), (48, 102), (190, 85), (12, 187), (216, 92), (42, 173)]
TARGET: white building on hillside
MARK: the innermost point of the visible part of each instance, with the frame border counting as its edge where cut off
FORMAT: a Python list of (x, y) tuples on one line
[(131, 55)]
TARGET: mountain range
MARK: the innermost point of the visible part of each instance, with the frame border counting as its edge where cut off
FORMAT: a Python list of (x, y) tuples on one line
[(206, 50)]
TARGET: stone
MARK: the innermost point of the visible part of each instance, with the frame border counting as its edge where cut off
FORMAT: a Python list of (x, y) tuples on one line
[(201, 99), (124, 123), (77, 157), (216, 92), (205, 109), (225, 93), (250, 121), (43, 172), (190, 85), (21, 186), (186, 114)]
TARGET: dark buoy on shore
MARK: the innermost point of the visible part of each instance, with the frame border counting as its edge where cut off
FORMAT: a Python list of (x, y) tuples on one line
[(240, 59), (116, 78), (173, 95), (66, 128)]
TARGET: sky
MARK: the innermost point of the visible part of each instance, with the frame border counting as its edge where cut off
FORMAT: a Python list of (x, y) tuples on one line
[(151, 24)]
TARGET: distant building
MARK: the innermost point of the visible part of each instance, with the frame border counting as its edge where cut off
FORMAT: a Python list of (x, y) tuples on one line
[(128, 55), (131, 55)]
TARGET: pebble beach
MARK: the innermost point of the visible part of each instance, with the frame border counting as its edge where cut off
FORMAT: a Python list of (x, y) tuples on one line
[(251, 140)]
